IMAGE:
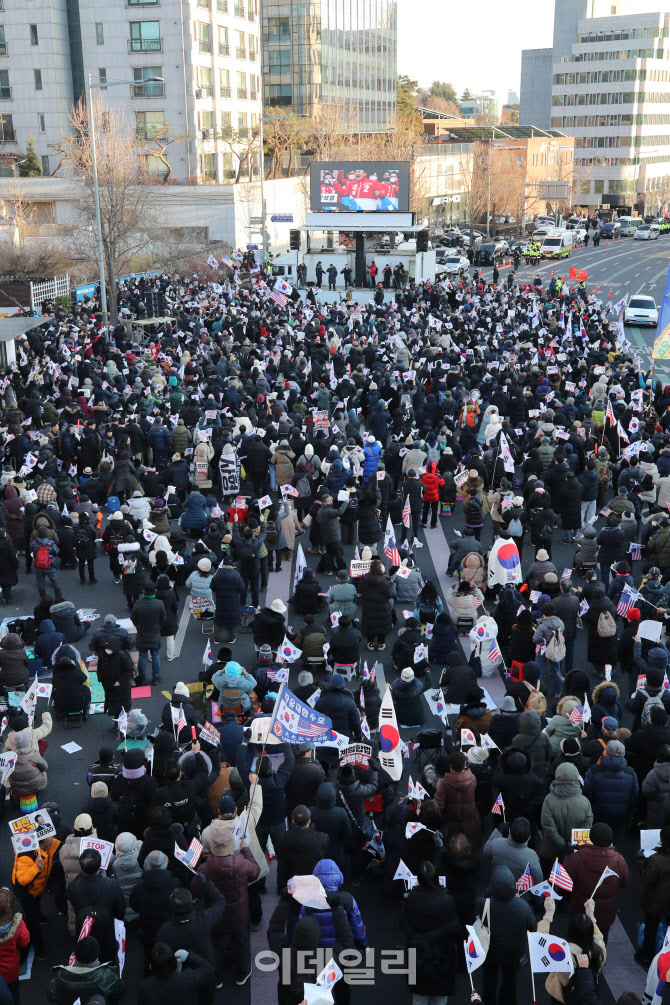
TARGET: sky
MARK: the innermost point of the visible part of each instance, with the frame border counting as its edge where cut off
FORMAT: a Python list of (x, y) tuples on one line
[(476, 44)]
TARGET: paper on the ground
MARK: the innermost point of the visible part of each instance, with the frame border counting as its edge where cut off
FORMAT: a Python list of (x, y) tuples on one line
[(649, 841), (70, 748)]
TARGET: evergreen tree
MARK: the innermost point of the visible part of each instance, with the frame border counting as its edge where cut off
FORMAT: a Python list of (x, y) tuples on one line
[(30, 166)]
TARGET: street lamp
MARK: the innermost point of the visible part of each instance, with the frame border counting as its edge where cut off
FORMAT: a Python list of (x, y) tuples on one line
[(96, 189)]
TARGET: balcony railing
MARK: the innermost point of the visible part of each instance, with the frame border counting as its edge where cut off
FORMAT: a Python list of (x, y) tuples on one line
[(253, 95), (242, 93), (150, 132), (205, 45), (203, 3), (251, 15), (150, 89), (224, 49), (252, 55), (238, 10), (225, 92), (241, 52), (145, 45), (222, 6), (141, 3), (5, 93)]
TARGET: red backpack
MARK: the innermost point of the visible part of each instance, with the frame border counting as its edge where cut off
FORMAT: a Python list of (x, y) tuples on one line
[(42, 557)]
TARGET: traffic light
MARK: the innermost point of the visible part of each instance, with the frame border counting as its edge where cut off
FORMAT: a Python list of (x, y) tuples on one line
[(294, 240), (422, 240)]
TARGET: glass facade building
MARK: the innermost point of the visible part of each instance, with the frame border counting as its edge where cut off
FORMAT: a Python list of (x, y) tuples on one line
[(338, 52)]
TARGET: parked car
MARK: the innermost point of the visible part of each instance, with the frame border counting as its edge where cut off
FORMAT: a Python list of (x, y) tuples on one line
[(491, 252), (641, 310), (454, 263), (647, 232), (610, 230)]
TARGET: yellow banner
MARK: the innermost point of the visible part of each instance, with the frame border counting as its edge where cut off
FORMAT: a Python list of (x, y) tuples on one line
[(661, 348)]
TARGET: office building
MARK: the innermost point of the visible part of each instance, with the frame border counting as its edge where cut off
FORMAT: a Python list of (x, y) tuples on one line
[(205, 51), (332, 52), (609, 79)]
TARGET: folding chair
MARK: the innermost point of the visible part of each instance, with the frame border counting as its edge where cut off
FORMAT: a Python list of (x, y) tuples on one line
[(74, 719), (429, 744), (317, 664), (230, 700), (464, 624)]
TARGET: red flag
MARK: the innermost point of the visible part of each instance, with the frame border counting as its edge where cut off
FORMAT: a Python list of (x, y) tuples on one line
[(579, 274)]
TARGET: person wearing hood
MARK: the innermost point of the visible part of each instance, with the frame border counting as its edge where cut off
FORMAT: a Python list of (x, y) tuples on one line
[(587, 550), (564, 808), (504, 724), (132, 791), (231, 872), (66, 620), (653, 690), (115, 673), (47, 642), (512, 850), (560, 726), (150, 898), (337, 702), (531, 739), (235, 677), (71, 693), (124, 866), (14, 937), (85, 977), (455, 797), (190, 928), (9, 566), (332, 820), (511, 918), (604, 702), (601, 649), (431, 481), (194, 514), (612, 787), (149, 617)]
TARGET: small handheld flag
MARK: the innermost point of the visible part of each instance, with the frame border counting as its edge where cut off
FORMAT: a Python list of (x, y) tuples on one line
[(499, 806), (559, 877), (525, 881)]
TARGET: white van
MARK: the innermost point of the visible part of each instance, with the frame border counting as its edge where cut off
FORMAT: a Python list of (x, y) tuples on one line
[(647, 232), (557, 243), (629, 225)]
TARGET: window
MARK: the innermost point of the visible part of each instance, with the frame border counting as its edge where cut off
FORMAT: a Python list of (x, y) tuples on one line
[(242, 86), (102, 76), (3, 44), (45, 165), (280, 94), (207, 120), (240, 48), (280, 60), (5, 89), (145, 36), (145, 87), (7, 129), (37, 74), (279, 28), (224, 48), (226, 122), (224, 83), (150, 124), (99, 34), (228, 169), (205, 36), (206, 75), (34, 40), (241, 122), (209, 165), (41, 122), (599, 186)]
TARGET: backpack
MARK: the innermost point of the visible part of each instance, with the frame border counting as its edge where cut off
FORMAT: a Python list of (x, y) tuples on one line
[(515, 527), (80, 539), (474, 511), (115, 539), (432, 453), (42, 557), (606, 627), (271, 534), (555, 650), (653, 701), (303, 488)]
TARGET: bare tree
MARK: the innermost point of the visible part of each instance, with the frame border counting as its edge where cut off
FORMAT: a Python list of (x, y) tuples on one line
[(21, 264), (475, 182), (157, 145), (242, 144), (127, 202)]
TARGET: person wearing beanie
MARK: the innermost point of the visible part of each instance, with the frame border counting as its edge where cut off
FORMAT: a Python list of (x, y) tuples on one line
[(504, 724), (190, 928), (612, 787), (150, 898), (532, 739), (85, 977), (560, 727), (570, 752), (585, 867), (181, 701), (539, 569), (133, 791), (306, 686), (102, 811), (564, 809), (125, 868), (337, 702), (656, 895), (508, 846)]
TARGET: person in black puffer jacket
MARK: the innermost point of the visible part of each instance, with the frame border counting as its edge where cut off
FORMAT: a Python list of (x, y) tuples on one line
[(132, 791), (406, 692), (150, 898), (333, 820), (520, 787), (337, 702), (66, 620), (71, 693), (373, 702), (182, 786), (162, 834)]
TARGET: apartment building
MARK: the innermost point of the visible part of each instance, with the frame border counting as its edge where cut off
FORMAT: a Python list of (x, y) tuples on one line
[(205, 52), (610, 90), (342, 52)]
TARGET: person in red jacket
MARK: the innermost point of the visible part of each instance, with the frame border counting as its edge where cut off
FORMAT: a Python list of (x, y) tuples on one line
[(431, 482), (586, 866), (14, 937)]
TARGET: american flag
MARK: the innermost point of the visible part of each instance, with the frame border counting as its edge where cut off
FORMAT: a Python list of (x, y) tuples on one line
[(628, 598), (525, 881), (195, 851), (559, 877), (181, 721), (494, 652), (498, 806), (478, 601), (635, 551), (279, 298), (609, 415), (406, 513), (577, 714), (390, 549)]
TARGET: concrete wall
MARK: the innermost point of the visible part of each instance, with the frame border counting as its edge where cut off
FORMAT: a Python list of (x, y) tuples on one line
[(535, 101)]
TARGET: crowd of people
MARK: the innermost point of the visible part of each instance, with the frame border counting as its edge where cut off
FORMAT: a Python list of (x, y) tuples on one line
[(254, 434)]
